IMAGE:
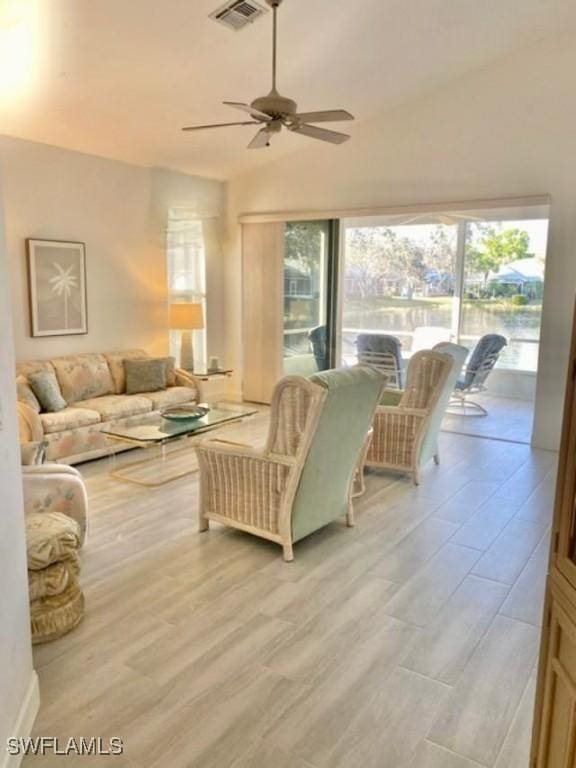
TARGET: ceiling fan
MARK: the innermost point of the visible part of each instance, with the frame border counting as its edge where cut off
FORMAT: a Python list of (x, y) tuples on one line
[(274, 111)]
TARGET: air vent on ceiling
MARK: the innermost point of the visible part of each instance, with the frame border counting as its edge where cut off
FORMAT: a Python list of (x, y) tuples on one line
[(238, 13)]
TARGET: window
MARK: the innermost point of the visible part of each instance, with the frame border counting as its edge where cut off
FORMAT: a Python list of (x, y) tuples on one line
[(306, 304), (503, 286), (454, 276), (185, 248), (399, 280)]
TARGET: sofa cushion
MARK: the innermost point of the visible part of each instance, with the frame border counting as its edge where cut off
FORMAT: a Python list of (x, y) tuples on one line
[(50, 537), (33, 366), (69, 418), (25, 394), (114, 407), (170, 396), (116, 364), (83, 376), (170, 370), (47, 390)]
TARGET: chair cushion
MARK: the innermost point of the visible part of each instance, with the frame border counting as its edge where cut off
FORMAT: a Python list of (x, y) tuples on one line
[(113, 407), (45, 387), (69, 418), (50, 537), (116, 365), (54, 579), (170, 396), (145, 375), (26, 395), (54, 615), (83, 376)]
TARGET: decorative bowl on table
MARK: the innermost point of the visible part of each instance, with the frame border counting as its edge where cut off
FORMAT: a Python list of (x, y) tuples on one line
[(184, 412)]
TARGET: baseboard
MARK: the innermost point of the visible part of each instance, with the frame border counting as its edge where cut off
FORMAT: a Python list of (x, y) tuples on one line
[(24, 722)]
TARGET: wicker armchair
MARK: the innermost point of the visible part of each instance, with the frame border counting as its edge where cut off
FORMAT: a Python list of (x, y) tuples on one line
[(407, 423), (303, 478)]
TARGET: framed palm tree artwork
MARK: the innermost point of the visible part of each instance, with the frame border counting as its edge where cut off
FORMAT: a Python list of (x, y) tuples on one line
[(57, 287)]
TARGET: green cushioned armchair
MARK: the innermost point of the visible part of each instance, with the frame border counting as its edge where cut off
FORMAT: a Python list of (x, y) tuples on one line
[(303, 478), (407, 423)]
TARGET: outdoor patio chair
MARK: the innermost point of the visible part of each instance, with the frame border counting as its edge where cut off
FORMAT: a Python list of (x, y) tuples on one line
[(382, 352), (481, 363), (407, 423), (319, 341), (304, 477)]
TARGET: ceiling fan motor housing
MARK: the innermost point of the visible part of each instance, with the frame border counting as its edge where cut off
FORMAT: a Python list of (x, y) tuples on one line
[(275, 105)]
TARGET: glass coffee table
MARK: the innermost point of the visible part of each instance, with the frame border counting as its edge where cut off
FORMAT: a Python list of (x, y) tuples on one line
[(156, 435)]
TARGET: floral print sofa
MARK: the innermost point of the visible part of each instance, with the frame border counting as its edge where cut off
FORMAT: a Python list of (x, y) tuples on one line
[(94, 387)]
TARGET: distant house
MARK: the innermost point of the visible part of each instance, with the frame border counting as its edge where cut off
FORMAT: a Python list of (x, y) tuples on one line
[(527, 275), (297, 283)]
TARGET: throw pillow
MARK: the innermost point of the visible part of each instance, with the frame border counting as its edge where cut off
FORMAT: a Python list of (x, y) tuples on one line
[(170, 371), (46, 388), (25, 394), (147, 375)]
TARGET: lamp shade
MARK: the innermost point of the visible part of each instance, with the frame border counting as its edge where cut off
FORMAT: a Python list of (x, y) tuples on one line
[(186, 316)]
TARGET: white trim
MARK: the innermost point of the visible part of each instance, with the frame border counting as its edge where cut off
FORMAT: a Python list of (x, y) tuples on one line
[(24, 722), (398, 210)]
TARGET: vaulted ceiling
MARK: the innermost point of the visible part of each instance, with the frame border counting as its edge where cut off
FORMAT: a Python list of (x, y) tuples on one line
[(119, 78)]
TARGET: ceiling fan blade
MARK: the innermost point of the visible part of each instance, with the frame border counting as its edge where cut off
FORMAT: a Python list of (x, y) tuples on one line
[(327, 116), (261, 140), (217, 125), (247, 108), (320, 133)]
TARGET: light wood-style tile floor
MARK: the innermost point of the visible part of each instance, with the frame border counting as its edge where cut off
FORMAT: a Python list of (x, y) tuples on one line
[(507, 419), (409, 641)]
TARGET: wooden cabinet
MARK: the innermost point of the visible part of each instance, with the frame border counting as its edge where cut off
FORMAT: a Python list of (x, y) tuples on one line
[(554, 739)]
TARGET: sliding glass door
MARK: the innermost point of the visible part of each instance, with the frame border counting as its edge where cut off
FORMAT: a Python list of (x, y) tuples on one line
[(309, 263), (398, 280)]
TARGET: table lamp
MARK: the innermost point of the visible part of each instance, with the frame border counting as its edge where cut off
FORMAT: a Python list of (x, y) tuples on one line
[(186, 317)]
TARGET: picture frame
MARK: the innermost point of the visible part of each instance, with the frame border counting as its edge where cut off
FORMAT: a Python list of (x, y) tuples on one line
[(57, 287)]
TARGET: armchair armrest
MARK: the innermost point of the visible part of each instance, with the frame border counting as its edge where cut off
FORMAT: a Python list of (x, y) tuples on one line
[(396, 434), (56, 491), (29, 423), (242, 485), (394, 410), (391, 396), (230, 448), (50, 469)]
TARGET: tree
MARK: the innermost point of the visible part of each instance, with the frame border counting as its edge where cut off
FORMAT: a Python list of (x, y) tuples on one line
[(303, 244), (491, 249)]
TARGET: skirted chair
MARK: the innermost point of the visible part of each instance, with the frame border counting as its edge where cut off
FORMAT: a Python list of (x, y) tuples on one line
[(481, 363), (303, 479), (55, 505), (382, 352), (407, 423)]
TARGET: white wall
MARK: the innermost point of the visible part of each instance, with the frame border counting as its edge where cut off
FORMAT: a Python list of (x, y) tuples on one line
[(507, 130), (18, 683), (119, 211)]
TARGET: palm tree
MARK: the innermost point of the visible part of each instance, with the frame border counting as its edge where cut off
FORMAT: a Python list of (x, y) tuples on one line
[(62, 284)]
